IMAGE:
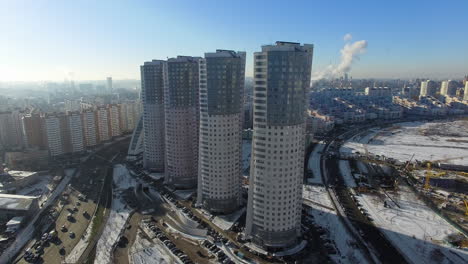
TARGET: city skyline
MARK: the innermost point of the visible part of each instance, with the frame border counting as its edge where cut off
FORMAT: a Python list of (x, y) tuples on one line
[(55, 40)]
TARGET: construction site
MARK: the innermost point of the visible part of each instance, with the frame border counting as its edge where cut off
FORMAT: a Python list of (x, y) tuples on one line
[(410, 181)]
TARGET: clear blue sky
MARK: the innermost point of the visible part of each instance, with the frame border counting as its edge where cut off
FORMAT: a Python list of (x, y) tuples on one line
[(45, 40)]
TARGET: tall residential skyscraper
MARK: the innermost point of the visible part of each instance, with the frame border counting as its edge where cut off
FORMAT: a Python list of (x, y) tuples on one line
[(103, 123), (448, 88), (109, 85), (181, 121), (115, 120), (33, 131), (222, 75), (11, 131), (282, 75), (54, 128), (75, 126), (465, 94), (152, 96), (428, 88), (90, 128)]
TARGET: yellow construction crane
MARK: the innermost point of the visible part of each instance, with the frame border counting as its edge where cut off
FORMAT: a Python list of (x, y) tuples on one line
[(466, 205), (427, 184)]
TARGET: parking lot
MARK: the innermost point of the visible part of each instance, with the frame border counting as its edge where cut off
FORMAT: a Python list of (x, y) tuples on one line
[(74, 221), (74, 214)]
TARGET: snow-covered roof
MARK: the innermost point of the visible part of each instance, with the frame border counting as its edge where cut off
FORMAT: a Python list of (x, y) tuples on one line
[(15, 202)]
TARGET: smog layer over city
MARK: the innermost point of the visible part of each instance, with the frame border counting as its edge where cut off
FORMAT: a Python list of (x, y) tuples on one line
[(243, 132)]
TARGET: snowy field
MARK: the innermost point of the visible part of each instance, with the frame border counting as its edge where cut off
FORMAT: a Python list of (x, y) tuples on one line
[(416, 230), (313, 164), (446, 141), (118, 216), (345, 170), (149, 252)]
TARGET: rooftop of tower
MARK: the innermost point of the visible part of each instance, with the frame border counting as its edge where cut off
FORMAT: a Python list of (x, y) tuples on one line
[(153, 62), (183, 59), (288, 46), (225, 54)]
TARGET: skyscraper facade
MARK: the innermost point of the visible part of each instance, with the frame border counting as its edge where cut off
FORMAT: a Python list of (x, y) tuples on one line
[(115, 120), (428, 88), (152, 96), (103, 123), (181, 121), (11, 130), (75, 128), (33, 131), (465, 94), (90, 128), (282, 74), (109, 85), (222, 75), (55, 140), (448, 88)]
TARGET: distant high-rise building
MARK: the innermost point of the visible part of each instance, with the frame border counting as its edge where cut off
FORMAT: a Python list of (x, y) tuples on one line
[(64, 133), (109, 85), (222, 75), (448, 88), (152, 97), (11, 131), (181, 121), (75, 126), (129, 114), (90, 128), (428, 88), (115, 120), (72, 105), (33, 131), (53, 129), (103, 123), (465, 94), (282, 80)]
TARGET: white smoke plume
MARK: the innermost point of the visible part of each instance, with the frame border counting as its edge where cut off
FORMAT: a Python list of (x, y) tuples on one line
[(348, 37), (349, 53)]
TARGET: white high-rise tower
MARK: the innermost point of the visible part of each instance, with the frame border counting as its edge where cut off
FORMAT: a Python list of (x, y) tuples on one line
[(282, 75), (152, 97), (181, 121), (222, 75)]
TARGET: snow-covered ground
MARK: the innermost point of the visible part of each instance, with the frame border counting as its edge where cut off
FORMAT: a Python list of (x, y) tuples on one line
[(156, 176), (428, 141), (80, 247), (345, 170), (327, 219), (118, 216), (39, 188), (149, 252), (225, 222), (184, 194), (414, 228)]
